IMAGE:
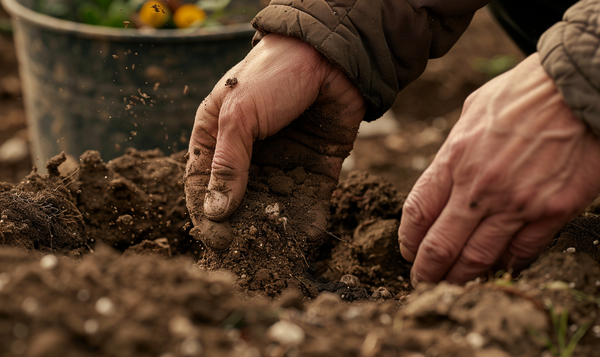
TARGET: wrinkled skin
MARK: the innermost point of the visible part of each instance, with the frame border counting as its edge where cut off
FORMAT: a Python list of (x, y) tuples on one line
[(283, 106), (516, 167)]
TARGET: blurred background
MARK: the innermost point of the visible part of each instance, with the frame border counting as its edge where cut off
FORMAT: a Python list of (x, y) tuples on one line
[(399, 146)]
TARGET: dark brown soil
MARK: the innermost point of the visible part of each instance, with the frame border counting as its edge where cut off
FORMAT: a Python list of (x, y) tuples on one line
[(277, 230), (96, 258), (153, 300)]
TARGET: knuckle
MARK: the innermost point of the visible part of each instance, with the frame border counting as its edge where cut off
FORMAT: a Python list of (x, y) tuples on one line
[(437, 252), (415, 213), (477, 259), (524, 250)]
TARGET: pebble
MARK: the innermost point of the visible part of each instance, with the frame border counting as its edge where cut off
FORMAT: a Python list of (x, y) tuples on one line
[(14, 150), (596, 330), (381, 293), (571, 250), (181, 326), (190, 347), (286, 333), (90, 326), (48, 262), (385, 319), (596, 242), (350, 280), (475, 340), (105, 306)]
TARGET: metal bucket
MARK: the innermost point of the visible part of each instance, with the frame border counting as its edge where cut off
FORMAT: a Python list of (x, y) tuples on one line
[(93, 87)]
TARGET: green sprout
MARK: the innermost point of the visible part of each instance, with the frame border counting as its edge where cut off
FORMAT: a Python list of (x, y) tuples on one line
[(564, 347)]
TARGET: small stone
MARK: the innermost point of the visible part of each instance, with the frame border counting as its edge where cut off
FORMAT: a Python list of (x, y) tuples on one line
[(252, 230), (286, 333), (181, 326), (596, 242), (105, 306), (350, 280), (90, 326), (273, 211), (190, 347), (381, 293), (385, 319), (48, 262), (571, 250), (475, 340)]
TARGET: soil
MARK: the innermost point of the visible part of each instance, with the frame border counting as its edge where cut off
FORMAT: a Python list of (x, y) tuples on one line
[(97, 259)]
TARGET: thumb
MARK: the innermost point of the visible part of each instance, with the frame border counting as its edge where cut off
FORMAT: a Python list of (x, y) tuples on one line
[(230, 165)]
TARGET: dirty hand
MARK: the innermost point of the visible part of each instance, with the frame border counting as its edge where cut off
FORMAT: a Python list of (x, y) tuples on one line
[(516, 167), (268, 91)]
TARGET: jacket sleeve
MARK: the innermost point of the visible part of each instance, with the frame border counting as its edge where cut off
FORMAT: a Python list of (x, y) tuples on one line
[(570, 53), (382, 45)]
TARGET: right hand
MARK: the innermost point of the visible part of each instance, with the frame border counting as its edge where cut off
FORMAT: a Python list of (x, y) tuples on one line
[(282, 83)]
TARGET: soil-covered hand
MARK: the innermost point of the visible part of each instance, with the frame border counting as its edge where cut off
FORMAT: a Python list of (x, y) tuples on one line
[(516, 167), (284, 106)]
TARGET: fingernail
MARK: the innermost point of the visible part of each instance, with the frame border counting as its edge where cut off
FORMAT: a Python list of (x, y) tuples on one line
[(216, 203), (408, 255)]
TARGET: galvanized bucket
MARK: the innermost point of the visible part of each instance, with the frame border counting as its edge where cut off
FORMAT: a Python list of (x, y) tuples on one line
[(92, 87)]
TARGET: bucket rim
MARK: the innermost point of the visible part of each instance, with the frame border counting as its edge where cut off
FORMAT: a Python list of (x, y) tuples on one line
[(20, 12)]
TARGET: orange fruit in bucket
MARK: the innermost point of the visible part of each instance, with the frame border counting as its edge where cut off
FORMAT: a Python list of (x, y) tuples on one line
[(189, 15), (154, 13)]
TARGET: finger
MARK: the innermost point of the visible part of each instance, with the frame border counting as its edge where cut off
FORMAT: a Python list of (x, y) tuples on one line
[(445, 239), (231, 161), (201, 151), (528, 243), (484, 247), (423, 205)]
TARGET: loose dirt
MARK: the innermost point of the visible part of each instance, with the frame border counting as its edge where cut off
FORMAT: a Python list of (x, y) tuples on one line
[(133, 282)]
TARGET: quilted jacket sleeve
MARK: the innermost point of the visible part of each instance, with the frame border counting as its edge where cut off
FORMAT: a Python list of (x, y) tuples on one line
[(382, 45), (570, 52)]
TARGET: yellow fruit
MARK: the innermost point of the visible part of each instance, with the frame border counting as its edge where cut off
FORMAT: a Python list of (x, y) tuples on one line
[(188, 15), (154, 13)]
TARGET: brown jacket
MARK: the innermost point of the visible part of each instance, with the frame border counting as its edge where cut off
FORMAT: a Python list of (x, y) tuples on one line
[(383, 45)]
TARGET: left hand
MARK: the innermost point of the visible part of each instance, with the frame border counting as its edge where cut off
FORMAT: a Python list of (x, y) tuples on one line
[(516, 167)]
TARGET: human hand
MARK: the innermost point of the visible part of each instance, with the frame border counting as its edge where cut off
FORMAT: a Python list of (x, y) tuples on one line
[(265, 93), (516, 167)]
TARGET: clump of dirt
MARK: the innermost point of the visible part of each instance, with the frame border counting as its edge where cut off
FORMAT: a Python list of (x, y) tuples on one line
[(363, 197), (569, 283), (277, 230), (105, 305), (39, 215), (579, 235), (151, 300), (366, 211), (133, 198)]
